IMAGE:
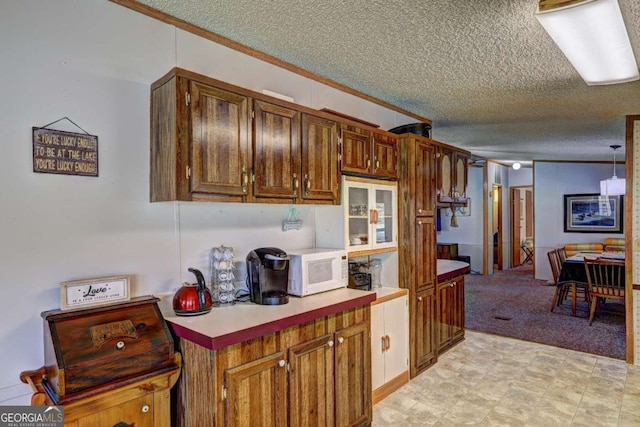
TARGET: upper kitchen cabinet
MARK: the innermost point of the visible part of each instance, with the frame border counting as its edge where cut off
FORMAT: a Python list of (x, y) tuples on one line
[(276, 143), (368, 153), (452, 175), (320, 163), (371, 222), (212, 141)]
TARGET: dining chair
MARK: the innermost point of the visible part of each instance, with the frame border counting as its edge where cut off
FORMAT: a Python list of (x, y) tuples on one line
[(563, 288), (554, 262), (562, 254), (606, 281)]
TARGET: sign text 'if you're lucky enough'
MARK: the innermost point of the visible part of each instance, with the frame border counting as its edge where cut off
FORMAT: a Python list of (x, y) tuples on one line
[(67, 153)]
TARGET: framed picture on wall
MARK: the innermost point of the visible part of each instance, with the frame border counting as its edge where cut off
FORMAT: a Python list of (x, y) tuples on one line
[(592, 213)]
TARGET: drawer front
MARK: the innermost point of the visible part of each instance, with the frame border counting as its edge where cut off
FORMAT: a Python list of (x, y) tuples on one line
[(137, 412), (101, 347)]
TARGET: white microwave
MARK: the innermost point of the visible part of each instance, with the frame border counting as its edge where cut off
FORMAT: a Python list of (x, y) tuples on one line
[(317, 270)]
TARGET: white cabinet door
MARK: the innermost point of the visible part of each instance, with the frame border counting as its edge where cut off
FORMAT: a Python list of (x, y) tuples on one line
[(377, 345), (389, 340), (396, 324)]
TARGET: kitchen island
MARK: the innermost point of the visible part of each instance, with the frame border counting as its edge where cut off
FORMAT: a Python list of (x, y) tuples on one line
[(302, 363)]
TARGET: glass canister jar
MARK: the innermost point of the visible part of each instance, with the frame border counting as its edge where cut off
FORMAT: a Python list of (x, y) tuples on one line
[(222, 276), (375, 268)]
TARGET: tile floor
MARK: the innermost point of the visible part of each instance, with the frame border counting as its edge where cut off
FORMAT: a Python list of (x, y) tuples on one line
[(488, 380)]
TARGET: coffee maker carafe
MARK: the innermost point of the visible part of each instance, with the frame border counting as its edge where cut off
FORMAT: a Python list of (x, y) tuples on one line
[(268, 276)]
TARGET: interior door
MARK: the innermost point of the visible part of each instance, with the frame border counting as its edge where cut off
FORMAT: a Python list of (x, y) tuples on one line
[(516, 227)]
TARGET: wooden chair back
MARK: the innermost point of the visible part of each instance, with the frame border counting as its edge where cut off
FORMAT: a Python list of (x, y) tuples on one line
[(562, 254), (605, 277), (556, 265)]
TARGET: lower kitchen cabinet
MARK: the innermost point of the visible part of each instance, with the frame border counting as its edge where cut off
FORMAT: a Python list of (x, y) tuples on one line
[(450, 313), (424, 341), (389, 346), (314, 374)]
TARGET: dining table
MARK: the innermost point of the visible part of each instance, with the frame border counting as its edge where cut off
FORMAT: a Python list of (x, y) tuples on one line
[(573, 272)]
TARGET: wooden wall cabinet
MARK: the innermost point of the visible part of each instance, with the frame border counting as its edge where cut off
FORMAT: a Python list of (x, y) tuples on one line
[(452, 176), (450, 313), (389, 346), (368, 153), (316, 373), (211, 141)]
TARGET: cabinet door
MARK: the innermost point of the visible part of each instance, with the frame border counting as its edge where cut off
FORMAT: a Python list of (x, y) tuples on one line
[(425, 179), (220, 141), (385, 158), (425, 331), (445, 173), (457, 316), (446, 304), (353, 376), (378, 344), (356, 151), (320, 169), (276, 153), (385, 222), (256, 393), (425, 259), (396, 323), (138, 412), (358, 215), (311, 398), (460, 185)]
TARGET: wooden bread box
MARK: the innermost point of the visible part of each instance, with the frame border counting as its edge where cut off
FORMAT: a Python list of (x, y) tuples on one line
[(84, 349), (114, 362)]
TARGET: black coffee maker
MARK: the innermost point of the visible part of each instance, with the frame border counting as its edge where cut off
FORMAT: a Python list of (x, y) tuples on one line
[(268, 276)]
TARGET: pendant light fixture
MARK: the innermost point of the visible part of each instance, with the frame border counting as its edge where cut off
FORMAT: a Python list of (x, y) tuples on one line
[(592, 35), (613, 186)]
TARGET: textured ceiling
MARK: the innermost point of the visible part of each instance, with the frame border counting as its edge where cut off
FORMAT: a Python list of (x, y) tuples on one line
[(484, 71)]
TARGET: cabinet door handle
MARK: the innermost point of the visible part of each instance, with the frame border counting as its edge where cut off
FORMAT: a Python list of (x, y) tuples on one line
[(340, 340), (420, 211), (377, 163), (245, 180), (295, 183), (307, 185), (281, 363), (123, 424), (419, 222), (368, 163), (388, 342), (330, 343), (452, 284), (145, 408), (419, 298), (384, 343)]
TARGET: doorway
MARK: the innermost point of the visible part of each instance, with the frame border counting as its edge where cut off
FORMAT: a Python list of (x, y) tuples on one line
[(496, 228), (521, 222)]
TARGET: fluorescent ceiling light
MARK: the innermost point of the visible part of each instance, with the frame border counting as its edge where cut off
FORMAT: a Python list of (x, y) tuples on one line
[(592, 35)]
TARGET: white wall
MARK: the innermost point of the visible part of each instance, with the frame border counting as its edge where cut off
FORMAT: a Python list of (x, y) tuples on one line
[(468, 234), (551, 182), (93, 61), (520, 177)]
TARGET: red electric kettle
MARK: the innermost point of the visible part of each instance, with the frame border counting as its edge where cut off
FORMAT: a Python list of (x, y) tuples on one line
[(193, 299)]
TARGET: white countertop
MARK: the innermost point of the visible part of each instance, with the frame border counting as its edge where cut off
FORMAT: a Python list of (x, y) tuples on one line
[(228, 325)]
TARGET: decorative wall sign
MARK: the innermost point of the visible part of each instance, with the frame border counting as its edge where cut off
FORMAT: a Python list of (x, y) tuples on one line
[(67, 153), (92, 292), (592, 213)]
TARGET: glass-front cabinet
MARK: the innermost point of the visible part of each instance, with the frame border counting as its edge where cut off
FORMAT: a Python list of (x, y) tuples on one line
[(371, 221)]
